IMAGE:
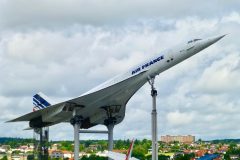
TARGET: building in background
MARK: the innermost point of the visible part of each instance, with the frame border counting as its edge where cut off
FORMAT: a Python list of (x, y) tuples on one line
[(56, 154), (181, 139)]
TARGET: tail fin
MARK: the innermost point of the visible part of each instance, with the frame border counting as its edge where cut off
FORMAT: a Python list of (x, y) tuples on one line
[(129, 153), (41, 101), (120, 156)]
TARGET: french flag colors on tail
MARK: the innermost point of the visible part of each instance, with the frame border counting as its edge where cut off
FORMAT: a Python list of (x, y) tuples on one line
[(40, 101), (129, 152), (120, 156)]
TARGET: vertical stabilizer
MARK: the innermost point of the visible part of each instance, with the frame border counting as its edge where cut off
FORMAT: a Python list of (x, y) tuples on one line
[(120, 156), (41, 101), (129, 153), (41, 135)]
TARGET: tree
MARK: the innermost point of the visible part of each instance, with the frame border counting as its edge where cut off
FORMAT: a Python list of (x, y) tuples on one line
[(93, 157), (139, 152), (226, 156), (81, 147), (119, 144), (66, 145), (232, 146), (16, 152), (163, 157), (4, 158)]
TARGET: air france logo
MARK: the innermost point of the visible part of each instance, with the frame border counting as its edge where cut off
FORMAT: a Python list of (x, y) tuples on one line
[(147, 64)]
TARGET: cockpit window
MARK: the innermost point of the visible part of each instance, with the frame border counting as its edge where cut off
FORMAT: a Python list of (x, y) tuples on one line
[(194, 40)]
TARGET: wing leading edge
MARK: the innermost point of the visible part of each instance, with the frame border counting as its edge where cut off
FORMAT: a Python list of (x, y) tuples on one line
[(117, 94)]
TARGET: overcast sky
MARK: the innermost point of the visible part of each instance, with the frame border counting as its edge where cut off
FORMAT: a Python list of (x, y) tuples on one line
[(66, 47)]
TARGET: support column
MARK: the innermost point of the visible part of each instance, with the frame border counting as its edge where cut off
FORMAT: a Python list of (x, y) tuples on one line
[(40, 156), (110, 136), (76, 122), (76, 141), (154, 120), (45, 142), (110, 122)]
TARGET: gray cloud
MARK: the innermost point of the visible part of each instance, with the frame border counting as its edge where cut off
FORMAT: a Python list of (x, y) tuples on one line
[(24, 14)]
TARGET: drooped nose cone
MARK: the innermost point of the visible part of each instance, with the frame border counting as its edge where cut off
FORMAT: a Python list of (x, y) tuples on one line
[(204, 43), (213, 40), (208, 42)]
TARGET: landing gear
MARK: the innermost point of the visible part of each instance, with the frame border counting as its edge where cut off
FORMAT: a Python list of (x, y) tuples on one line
[(154, 120), (41, 137)]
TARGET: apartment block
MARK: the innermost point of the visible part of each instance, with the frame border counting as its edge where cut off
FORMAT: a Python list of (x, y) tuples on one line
[(181, 139)]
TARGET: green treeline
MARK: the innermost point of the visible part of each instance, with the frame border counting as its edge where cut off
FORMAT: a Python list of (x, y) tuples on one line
[(140, 150), (15, 142)]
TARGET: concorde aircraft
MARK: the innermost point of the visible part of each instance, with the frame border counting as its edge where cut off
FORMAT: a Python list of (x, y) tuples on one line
[(109, 99), (106, 103)]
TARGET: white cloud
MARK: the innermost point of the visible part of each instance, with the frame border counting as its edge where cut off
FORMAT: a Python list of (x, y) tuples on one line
[(62, 13), (178, 119), (222, 76), (233, 17)]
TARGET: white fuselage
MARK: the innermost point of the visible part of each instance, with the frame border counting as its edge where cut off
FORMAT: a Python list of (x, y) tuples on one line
[(161, 62), (140, 74)]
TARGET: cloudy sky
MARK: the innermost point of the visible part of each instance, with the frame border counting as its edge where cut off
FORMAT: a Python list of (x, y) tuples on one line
[(66, 47)]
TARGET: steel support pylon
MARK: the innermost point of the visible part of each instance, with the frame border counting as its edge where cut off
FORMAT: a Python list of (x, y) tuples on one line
[(110, 125), (76, 141), (154, 120), (110, 122), (76, 122), (110, 136)]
